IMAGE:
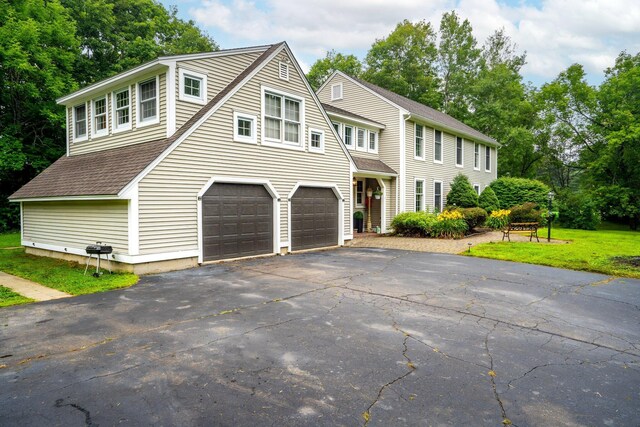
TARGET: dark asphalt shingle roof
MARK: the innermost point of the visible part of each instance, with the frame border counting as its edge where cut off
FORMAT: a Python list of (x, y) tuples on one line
[(372, 165), (333, 109), (426, 112), (107, 172)]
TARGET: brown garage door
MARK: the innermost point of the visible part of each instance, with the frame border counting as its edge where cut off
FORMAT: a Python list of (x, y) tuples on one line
[(237, 221), (314, 218)]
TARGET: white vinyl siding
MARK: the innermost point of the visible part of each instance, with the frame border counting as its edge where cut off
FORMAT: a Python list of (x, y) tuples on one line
[(77, 224), (168, 202)]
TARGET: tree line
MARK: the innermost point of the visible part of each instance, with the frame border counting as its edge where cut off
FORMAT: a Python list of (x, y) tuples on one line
[(581, 140)]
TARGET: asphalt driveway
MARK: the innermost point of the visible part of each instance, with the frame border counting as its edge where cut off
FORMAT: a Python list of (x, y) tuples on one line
[(343, 337)]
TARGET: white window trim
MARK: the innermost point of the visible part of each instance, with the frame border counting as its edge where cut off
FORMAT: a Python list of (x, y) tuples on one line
[(86, 123), (337, 85), (487, 169), (283, 66), (364, 193), (365, 139), (476, 168), (441, 146), (114, 119), (313, 149), (477, 188), (202, 99), (461, 164), (353, 136), (105, 131), (441, 207), (281, 142), (148, 122), (368, 142), (253, 139), (415, 195), (339, 130), (415, 136)]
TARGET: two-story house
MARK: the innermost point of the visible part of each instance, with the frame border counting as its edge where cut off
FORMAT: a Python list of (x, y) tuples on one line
[(409, 151), (193, 158)]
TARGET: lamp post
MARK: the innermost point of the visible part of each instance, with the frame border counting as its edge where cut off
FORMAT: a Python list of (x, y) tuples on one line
[(549, 216), (369, 194)]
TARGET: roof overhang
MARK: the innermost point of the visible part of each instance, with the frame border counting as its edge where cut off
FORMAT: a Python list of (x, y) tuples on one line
[(371, 174), (440, 125), (355, 120), (68, 198)]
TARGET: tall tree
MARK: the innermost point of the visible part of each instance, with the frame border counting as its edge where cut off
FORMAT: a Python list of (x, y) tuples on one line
[(404, 62), (116, 35), (458, 64), (37, 51), (333, 61)]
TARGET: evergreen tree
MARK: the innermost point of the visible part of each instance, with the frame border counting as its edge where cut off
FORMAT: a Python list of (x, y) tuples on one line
[(462, 194), (488, 200)]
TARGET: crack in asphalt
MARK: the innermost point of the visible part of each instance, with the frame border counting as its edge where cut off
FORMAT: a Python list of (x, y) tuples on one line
[(492, 375), (87, 415)]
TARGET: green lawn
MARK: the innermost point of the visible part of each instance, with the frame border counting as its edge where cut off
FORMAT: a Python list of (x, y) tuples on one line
[(586, 250), (8, 297), (62, 275)]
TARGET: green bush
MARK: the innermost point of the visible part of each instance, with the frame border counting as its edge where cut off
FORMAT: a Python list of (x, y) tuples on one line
[(358, 215), (474, 217), (526, 212), (449, 225), (518, 191), (578, 210), (488, 200), (413, 224), (462, 194), (498, 219)]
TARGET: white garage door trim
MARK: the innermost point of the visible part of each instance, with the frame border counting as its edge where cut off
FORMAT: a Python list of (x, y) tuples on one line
[(240, 180), (318, 184)]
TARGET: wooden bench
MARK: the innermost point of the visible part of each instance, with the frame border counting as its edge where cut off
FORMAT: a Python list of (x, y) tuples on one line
[(531, 227)]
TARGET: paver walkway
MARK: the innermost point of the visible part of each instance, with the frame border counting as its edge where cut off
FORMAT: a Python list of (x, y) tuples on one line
[(30, 289), (447, 246)]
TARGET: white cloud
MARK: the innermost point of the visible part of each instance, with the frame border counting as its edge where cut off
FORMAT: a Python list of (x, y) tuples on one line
[(555, 35)]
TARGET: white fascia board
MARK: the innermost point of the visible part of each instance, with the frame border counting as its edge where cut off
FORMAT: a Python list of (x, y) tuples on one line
[(317, 102), (455, 132), (110, 83), (374, 174), (214, 54), (197, 124), (356, 120)]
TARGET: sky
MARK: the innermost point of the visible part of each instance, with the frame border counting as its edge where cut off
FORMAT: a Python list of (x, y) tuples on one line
[(554, 33)]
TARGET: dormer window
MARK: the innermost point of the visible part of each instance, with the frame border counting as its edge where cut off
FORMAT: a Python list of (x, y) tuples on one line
[(148, 102), (80, 122), (100, 121), (193, 86)]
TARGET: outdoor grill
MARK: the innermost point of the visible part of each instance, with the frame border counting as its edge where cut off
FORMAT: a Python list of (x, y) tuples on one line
[(98, 250)]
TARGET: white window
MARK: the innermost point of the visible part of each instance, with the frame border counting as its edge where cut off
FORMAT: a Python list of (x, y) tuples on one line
[(348, 136), (283, 117), (437, 196), (359, 193), (193, 86), (283, 71), (80, 122), (244, 128), (419, 150), (419, 195), (337, 127), (100, 120), (477, 188), (148, 102), (437, 147), (476, 156), (316, 141), (459, 151), (121, 106), (336, 91), (487, 159), (361, 139), (373, 142)]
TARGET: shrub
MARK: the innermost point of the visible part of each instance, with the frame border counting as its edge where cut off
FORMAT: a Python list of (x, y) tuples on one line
[(526, 212), (358, 215), (449, 224), (462, 194), (517, 191), (474, 217), (413, 223), (498, 219), (578, 210), (488, 200)]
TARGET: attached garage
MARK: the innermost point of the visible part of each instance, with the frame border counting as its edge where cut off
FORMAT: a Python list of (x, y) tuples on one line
[(314, 218), (237, 221)]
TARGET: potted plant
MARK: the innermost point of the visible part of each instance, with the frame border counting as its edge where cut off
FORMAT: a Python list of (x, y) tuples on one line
[(377, 194), (358, 221)]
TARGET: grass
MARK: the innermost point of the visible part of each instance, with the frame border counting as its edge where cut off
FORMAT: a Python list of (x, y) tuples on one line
[(8, 297), (586, 251), (65, 276)]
